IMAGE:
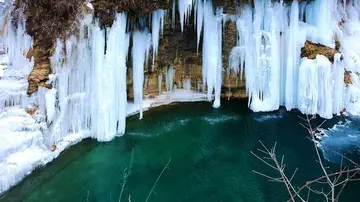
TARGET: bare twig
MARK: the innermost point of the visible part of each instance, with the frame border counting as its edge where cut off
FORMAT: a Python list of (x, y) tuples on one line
[(157, 180), (127, 173), (335, 181)]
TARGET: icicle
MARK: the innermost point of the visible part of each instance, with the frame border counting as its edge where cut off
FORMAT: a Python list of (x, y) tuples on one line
[(157, 28), (338, 71), (187, 84), (140, 51), (170, 73), (212, 53), (185, 8), (173, 18), (160, 79), (199, 20), (50, 97)]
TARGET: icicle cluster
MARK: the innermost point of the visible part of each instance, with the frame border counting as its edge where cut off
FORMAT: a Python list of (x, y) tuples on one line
[(185, 9), (91, 74), (270, 38), (212, 48)]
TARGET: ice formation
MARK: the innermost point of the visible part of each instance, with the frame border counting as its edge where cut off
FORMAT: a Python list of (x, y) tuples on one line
[(270, 39), (157, 29), (140, 54), (170, 73), (185, 9), (321, 87), (212, 51)]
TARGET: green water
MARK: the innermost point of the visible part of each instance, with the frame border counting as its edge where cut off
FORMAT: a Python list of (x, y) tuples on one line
[(210, 159)]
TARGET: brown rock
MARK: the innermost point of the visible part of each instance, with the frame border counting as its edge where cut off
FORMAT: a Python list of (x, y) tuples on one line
[(41, 70), (337, 43), (347, 78), (53, 148), (310, 50), (31, 111)]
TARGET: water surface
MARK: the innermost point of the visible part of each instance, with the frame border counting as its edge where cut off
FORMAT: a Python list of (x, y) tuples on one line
[(210, 159)]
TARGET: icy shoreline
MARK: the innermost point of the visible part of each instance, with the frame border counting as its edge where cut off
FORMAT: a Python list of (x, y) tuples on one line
[(25, 156)]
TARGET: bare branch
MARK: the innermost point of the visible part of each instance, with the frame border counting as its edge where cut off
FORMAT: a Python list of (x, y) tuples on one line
[(333, 180), (126, 173), (157, 180)]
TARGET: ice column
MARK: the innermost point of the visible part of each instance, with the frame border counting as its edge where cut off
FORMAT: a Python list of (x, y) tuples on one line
[(338, 71), (265, 92), (170, 73), (212, 53), (140, 52), (320, 88), (308, 87), (160, 80), (97, 68), (115, 66), (296, 40)]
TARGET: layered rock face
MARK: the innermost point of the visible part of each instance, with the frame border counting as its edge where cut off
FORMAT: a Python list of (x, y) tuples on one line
[(180, 51)]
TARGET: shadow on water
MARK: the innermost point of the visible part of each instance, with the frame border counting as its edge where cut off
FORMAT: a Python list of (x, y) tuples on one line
[(210, 152)]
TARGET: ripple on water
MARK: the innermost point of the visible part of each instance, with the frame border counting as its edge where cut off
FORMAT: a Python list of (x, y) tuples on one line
[(219, 119), (162, 128), (261, 117)]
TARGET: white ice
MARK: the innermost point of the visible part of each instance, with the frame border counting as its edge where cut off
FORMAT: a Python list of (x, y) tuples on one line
[(212, 51), (140, 52), (157, 29)]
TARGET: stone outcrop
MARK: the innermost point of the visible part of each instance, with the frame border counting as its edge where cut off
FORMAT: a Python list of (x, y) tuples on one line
[(310, 50), (105, 9), (41, 70), (347, 78)]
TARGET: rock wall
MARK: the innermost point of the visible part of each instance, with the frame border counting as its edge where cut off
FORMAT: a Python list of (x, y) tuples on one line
[(179, 50)]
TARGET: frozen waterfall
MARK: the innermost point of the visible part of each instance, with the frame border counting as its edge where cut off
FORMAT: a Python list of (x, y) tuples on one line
[(93, 69), (270, 38), (89, 70)]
